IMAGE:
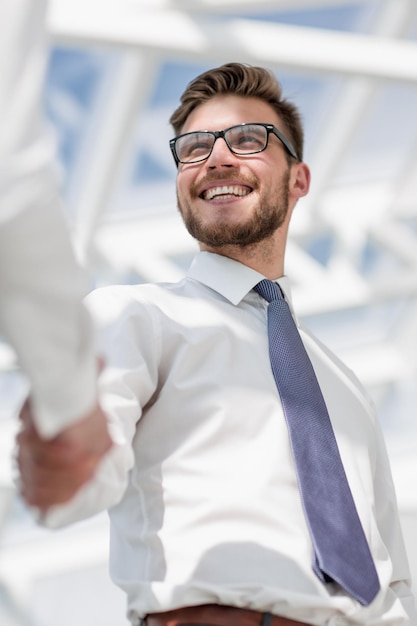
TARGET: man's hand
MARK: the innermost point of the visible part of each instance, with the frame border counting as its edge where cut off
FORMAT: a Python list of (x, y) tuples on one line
[(53, 470)]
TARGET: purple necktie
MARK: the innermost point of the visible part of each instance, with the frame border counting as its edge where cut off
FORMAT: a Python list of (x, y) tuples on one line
[(341, 551)]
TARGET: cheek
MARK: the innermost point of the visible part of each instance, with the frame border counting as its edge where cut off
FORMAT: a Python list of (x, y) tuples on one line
[(180, 196), (184, 199), (183, 182), (186, 186)]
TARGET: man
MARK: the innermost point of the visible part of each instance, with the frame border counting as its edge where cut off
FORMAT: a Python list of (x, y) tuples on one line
[(207, 519), (41, 285)]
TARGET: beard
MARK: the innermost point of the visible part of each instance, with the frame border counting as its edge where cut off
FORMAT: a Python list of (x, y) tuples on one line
[(268, 215)]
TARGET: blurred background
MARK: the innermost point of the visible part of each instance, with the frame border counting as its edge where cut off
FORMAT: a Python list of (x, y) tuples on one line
[(116, 71)]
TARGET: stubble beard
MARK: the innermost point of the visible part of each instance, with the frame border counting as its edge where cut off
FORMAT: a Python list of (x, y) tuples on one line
[(269, 215)]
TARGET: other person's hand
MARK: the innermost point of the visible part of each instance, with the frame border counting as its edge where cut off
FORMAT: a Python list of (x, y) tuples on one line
[(53, 470)]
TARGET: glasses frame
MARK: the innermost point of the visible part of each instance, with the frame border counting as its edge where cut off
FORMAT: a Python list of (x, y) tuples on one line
[(270, 128)]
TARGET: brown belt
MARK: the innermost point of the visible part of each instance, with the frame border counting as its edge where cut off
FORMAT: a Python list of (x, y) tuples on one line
[(217, 615)]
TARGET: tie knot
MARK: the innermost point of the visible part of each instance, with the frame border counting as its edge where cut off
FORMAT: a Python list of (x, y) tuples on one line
[(268, 290)]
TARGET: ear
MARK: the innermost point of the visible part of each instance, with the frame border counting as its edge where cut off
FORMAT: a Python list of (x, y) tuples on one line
[(299, 180)]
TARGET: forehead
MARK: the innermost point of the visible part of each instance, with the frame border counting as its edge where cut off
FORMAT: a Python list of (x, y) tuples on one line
[(227, 110)]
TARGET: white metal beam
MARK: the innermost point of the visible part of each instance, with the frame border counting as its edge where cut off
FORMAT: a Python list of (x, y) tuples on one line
[(101, 165), (248, 6), (225, 6), (176, 34)]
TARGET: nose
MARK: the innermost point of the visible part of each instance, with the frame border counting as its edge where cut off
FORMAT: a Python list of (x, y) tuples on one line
[(221, 155)]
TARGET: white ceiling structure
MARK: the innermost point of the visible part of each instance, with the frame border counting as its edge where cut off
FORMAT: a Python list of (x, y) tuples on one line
[(352, 254)]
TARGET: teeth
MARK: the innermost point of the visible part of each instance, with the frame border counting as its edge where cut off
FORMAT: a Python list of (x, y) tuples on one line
[(226, 190)]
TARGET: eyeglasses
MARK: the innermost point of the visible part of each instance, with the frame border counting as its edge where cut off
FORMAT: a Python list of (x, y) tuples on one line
[(242, 139)]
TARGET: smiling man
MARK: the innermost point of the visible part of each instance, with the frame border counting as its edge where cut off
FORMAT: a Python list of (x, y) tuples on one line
[(248, 483)]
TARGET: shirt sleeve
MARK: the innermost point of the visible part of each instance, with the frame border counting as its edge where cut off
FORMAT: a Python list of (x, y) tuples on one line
[(41, 284), (127, 337), (388, 519)]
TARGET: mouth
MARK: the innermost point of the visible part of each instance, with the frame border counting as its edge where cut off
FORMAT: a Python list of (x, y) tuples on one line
[(225, 192)]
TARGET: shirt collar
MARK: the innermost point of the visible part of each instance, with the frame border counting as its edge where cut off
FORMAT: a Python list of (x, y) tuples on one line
[(231, 279)]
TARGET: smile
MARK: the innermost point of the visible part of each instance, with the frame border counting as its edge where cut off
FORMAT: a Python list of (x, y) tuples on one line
[(225, 191)]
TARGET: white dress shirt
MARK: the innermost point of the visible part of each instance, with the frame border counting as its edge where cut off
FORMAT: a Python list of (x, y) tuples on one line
[(41, 285), (204, 501)]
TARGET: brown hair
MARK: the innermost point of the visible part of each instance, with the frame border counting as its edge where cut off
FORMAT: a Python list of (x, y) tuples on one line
[(240, 80)]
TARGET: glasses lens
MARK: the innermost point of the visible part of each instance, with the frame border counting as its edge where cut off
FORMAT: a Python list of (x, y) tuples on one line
[(194, 147), (247, 138)]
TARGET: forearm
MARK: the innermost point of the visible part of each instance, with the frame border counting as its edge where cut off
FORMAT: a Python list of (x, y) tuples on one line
[(43, 317)]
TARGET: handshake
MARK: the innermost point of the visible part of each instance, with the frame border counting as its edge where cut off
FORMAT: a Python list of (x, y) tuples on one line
[(53, 470)]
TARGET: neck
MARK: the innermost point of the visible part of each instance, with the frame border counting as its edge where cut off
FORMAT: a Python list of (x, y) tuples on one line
[(266, 256)]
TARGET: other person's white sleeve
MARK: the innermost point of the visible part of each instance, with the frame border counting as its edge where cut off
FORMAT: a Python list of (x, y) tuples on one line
[(41, 285)]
